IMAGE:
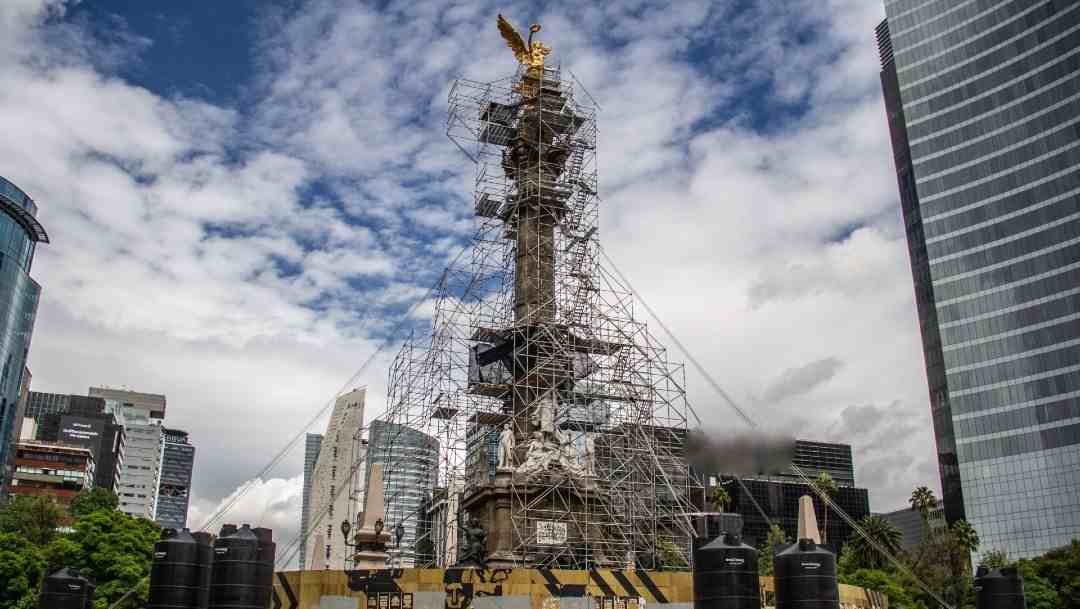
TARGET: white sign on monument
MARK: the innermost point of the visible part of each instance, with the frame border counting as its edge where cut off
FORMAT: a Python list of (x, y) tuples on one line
[(550, 533)]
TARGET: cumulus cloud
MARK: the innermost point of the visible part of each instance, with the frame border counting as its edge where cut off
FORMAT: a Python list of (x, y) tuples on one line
[(272, 503), (245, 259)]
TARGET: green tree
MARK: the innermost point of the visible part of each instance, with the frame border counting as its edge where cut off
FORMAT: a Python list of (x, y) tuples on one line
[(825, 485), (20, 571), (115, 549), (719, 498), (995, 559), (947, 572), (965, 535), (60, 552), (879, 530), (93, 500), (35, 519), (1039, 592), (899, 592), (923, 501), (1061, 567), (776, 538)]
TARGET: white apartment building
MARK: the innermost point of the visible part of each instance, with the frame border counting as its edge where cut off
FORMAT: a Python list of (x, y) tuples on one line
[(337, 484), (142, 415)]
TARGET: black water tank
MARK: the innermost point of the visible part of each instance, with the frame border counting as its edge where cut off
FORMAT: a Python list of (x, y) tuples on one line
[(204, 543), (999, 589), (88, 603), (234, 583), (174, 573), (65, 589), (726, 575), (806, 577), (265, 571)]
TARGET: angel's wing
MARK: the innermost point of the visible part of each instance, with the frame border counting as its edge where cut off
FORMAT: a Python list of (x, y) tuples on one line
[(512, 37)]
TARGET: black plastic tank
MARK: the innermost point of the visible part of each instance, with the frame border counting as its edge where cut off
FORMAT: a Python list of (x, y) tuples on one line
[(65, 589), (806, 577), (234, 582), (999, 589), (174, 572), (88, 603), (726, 575), (204, 543), (265, 571)]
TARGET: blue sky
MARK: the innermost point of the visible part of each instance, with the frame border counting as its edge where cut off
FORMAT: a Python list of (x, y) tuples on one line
[(245, 196)]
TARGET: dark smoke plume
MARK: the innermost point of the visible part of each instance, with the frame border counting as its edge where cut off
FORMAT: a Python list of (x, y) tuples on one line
[(742, 454)]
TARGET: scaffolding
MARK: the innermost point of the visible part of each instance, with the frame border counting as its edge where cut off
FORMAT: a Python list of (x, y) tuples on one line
[(531, 318)]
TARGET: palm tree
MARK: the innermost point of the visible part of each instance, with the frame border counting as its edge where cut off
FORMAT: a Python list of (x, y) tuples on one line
[(965, 535), (884, 533), (825, 485), (719, 498), (923, 501)]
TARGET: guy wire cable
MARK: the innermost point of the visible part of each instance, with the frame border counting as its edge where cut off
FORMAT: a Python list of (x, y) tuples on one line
[(747, 419)]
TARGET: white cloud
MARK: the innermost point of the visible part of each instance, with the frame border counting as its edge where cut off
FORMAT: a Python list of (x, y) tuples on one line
[(189, 258)]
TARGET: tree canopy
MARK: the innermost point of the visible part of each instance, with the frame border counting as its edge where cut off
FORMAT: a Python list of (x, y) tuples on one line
[(110, 547)]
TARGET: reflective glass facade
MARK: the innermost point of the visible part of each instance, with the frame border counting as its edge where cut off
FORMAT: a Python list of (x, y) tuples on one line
[(983, 100), (312, 444), (410, 461), (19, 234), (177, 463)]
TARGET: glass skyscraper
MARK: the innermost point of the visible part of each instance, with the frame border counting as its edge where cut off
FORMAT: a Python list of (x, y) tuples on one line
[(177, 463), (410, 461), (983, 102), (312, 444), (20, 232)]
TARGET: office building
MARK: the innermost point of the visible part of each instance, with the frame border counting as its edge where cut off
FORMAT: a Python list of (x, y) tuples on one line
[(141, 415), (81, 421), (177, 463), (410, 462), (49, 469), (912, 528), (779, 499), (778, 495), (336, 485), (815, 458), (20, 232), (981, 99), (312, 443)]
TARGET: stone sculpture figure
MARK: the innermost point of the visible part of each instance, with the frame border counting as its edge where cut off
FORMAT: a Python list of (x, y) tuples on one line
[(545, 414), (589, 456), (506, 447), (475, 542)]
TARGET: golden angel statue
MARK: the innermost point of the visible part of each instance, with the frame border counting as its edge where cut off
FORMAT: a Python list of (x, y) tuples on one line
[(529, 53)]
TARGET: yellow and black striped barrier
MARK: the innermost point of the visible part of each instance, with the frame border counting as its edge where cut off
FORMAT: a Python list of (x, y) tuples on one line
[(506, 589)]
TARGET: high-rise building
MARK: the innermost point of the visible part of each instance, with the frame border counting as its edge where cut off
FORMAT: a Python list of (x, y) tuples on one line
[(335, 482), (981, 99), (913, 530), (141, 415), (778, 495), (20, 232), (78, 420), (312, 443), (177, 463), (410, 461)]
